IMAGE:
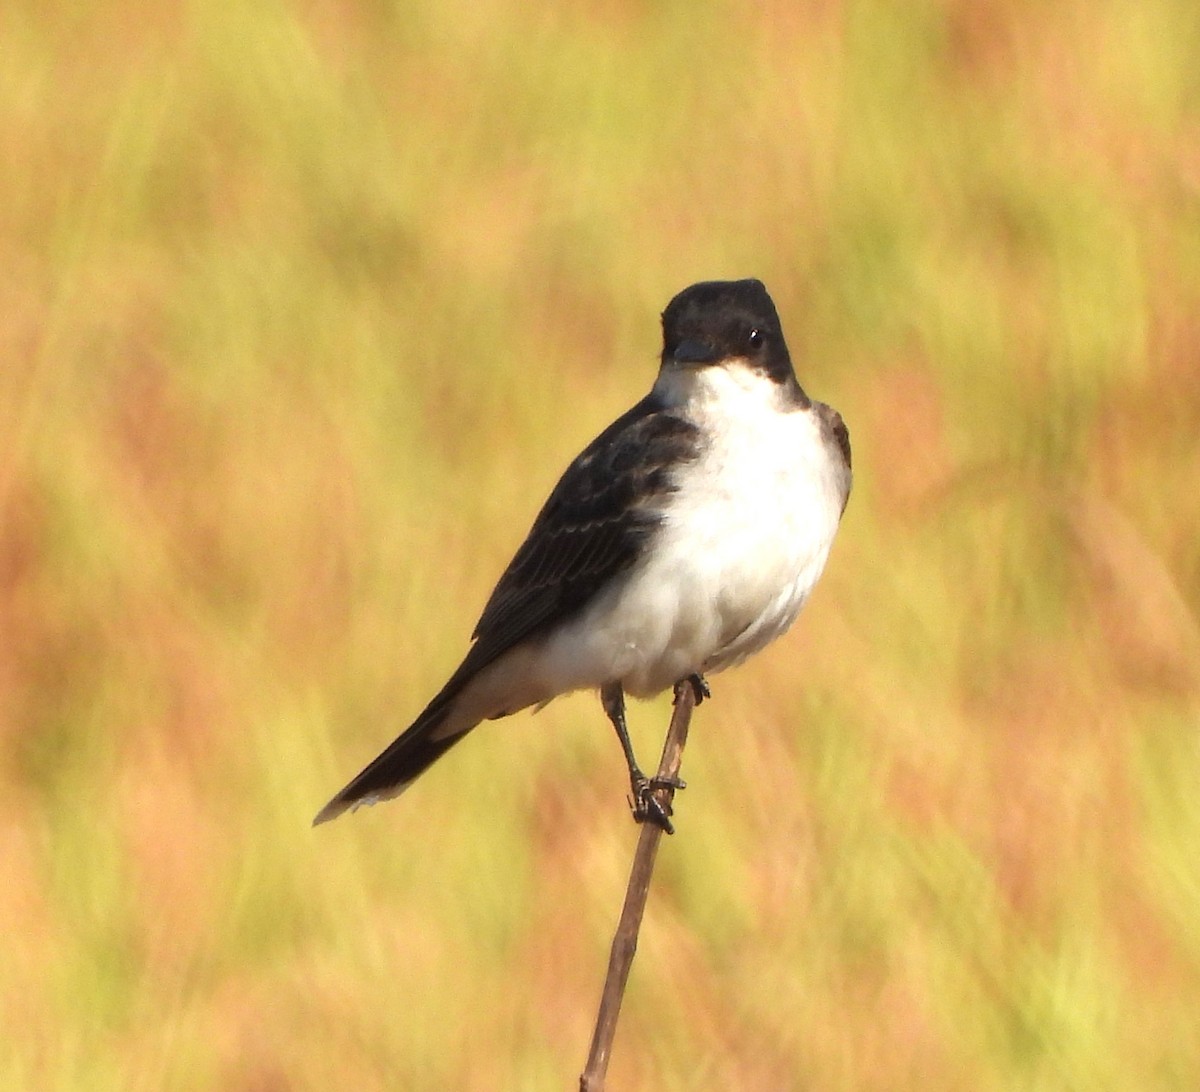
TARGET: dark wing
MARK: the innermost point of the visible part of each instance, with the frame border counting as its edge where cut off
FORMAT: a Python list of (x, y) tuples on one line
[(601, 512)]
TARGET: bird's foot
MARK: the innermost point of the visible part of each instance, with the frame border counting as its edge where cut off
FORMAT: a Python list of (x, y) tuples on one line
[(648, 805), (699, 686)]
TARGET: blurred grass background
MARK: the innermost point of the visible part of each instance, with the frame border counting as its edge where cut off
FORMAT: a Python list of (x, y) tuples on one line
[(303, 307)]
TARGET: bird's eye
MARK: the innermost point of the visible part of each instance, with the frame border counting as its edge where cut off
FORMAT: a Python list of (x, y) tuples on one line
[(756, 339)]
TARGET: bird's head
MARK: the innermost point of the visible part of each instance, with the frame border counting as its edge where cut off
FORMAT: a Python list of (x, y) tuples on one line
[(731, 325)]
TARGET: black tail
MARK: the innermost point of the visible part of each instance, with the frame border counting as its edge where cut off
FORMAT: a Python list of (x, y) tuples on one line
[(405, 759)]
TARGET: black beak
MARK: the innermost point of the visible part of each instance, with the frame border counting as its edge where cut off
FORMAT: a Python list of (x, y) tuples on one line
[(696, 352)]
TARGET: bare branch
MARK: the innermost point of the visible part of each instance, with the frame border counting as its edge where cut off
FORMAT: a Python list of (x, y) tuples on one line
[(625, 939)]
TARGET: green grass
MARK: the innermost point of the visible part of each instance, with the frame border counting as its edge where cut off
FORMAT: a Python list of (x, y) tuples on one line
[(301, 310)]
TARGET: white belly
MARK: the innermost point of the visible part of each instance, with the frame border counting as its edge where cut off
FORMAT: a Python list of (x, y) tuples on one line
[(743, 542)]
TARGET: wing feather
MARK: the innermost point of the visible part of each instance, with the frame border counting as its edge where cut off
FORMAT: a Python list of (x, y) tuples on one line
[(601, 512)]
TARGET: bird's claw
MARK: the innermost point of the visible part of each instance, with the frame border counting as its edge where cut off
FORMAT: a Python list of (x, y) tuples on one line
[(648, 806), (671, 783), (699, 686)]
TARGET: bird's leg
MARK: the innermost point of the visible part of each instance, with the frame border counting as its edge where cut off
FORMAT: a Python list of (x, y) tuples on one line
[(645, 804)]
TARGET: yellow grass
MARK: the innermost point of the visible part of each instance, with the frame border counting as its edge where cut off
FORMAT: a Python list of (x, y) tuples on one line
[(302, 308)]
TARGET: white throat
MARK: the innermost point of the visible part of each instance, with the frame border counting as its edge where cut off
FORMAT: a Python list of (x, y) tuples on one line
[(728, 387)]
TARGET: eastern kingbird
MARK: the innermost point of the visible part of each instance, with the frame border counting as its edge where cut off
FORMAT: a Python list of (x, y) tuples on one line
[(683, 539)]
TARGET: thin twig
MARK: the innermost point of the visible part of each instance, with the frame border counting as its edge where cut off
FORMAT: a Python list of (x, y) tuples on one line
[(625, 939)]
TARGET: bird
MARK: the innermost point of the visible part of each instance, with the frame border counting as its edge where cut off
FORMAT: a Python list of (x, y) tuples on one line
[(684, 538)]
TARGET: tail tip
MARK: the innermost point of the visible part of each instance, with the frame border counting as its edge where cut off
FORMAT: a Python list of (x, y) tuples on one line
[(331, 811), (345, 802)]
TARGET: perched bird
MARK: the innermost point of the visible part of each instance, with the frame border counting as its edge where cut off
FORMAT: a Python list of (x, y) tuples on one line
[(683, 539)]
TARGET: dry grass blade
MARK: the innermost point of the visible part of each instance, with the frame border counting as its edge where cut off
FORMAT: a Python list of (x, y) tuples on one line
[(625, 939)]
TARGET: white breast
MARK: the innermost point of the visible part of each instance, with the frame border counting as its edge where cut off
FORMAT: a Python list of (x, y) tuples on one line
[(744, 539)]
